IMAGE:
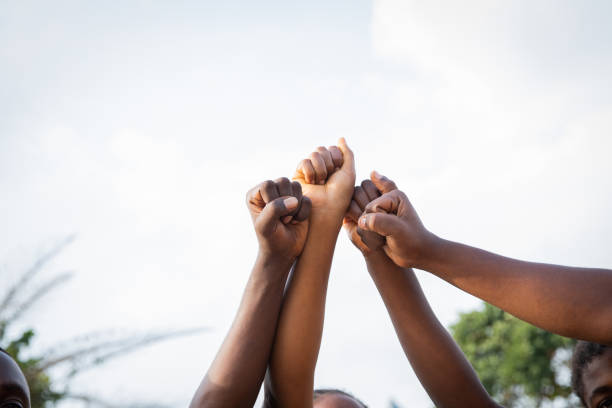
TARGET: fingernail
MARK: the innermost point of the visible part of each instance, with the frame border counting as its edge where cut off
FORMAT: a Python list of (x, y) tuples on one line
[(287, 219), (362, 221), (290, 203), (376, 174)]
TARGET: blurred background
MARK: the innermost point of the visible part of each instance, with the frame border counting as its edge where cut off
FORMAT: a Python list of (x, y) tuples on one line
[(137, 127)]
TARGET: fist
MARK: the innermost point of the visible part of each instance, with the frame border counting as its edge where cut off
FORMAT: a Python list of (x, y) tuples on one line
[(327, 177), (280, 215), (366, 241), (392, 216)]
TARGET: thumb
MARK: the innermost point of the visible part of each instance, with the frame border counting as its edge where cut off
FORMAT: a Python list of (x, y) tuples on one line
[(380, 223), (347, 156), (274, 211), (382, 183)]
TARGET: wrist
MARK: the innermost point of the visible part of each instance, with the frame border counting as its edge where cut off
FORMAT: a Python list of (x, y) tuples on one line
[(274, 260), (374, 256), (331, 219), (431, 252)]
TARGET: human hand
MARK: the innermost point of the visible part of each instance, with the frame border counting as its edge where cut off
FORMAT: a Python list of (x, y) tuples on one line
[(280, 215), (406, 240), (367, 242), (327, 177)]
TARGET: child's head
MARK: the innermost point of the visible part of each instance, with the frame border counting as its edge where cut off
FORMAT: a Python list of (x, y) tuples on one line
[(592, 374), (333, 398), (14, 391)]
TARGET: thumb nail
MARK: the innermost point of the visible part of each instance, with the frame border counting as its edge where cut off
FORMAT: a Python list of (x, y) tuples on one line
[(363, 221), (290, 203)]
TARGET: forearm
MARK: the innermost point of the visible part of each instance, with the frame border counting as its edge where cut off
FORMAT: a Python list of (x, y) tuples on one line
[(570, 301), (438, 362), (300, 328), (236, 374)]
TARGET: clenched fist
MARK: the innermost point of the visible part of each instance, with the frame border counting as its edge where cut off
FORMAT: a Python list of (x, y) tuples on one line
[(406, 240), (327, 177), (366, 241), (280, 215)]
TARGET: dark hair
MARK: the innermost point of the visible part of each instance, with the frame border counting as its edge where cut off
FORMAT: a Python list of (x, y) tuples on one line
[(584, 353), (320, 392)]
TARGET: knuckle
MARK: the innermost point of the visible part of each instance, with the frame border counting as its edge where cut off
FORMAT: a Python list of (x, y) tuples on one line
[(267, 184), (367, 184)]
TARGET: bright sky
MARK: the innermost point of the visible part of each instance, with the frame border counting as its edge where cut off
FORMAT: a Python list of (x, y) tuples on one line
[(141, 126)]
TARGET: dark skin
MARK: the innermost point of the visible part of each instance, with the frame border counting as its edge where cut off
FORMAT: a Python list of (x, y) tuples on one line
[(552, 297), (14, 391), (280, 217), (597, 381), (441, 367)]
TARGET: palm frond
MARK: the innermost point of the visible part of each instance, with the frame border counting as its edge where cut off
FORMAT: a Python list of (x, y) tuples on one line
[(42, 290), (100, 352), (29, 273)]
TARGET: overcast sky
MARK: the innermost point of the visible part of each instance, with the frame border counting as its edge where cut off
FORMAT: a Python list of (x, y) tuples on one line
[(140, 125)]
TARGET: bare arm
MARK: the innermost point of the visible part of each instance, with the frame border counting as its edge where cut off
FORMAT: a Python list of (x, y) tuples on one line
[(235, 376), (327, 179), (440, 365), (572, 302)]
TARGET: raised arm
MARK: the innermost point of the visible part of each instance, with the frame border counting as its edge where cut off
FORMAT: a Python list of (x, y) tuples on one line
[(441, 367), (569, 301), (280, 216), (327, 178)]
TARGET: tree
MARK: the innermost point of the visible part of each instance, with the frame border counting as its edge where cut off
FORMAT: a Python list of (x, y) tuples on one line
[(519, 364), (75, 356)]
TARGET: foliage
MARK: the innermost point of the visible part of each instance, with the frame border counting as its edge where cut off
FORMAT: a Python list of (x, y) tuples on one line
[(518, 363), (68, 359)]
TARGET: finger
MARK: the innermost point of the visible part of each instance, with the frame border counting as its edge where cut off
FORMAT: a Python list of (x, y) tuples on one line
[(307, 171), (382, 183), (336, 155), (388, 203), (347, 155), (254, 197), (354, 212), (284, 186), (269, 191), (370, 189), (274, 211), (348, 222), (319, 167), (327, 158), (304, 211), (382, 224), (370, 239), (360, 197), (296, 190)]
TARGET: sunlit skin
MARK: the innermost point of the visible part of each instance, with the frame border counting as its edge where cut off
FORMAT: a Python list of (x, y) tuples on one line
[(327, 177), (13, 386), (436, 359), (336, 401), (280, 217), (553, 297), (597, 381)]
